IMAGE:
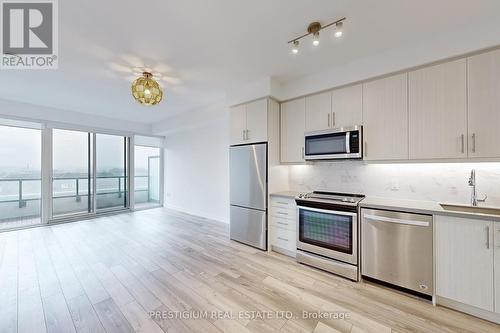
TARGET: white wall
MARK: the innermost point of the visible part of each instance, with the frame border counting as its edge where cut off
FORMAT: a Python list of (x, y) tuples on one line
[(441, 182), (197, 162), (30, 112)]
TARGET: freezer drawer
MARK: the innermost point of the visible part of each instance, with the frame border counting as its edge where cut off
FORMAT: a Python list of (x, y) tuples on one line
[(248, 226), (397, 248)]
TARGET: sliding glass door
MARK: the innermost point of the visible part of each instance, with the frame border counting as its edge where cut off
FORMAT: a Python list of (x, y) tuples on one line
[(72, 181), (20, 174), (147, 174), (89, 173), (111, 171)]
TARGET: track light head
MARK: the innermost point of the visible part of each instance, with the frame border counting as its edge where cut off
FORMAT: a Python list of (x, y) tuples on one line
[(295, 47), (338, 29), (316, 38)]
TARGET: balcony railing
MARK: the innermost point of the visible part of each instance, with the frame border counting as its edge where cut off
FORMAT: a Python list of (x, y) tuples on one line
[(23, 196)]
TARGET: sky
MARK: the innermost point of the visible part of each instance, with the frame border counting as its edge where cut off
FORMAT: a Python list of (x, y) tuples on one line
[(20, 149)]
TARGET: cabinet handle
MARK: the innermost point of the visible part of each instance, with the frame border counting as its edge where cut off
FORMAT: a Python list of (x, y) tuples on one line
[(487, 237), (303, 153), (282, 223), (473, 142), (463, 143), (366, 150), (243, 134), (247, 136), (333, 119), (283, 203), (328, 120), (281, 213), (283, 239)]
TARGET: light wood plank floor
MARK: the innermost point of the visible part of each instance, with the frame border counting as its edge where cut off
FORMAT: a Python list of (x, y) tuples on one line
[(111, 273)]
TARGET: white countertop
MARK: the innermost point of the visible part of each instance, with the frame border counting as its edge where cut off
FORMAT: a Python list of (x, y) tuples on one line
[(285, 194), (420, 206)]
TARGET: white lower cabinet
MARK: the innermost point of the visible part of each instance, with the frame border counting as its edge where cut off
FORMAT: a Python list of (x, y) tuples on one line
[(465, 261), (496, 243), (283, 225)]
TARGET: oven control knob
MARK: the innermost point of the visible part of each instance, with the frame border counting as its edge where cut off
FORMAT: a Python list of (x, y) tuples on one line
[(352, 200), (344, 199)]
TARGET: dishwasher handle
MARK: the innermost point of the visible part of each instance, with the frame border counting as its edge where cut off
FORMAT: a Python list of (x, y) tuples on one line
[(377, 218)]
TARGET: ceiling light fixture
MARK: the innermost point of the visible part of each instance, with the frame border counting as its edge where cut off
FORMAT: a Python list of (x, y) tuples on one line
[(313, 29), (146, 90)]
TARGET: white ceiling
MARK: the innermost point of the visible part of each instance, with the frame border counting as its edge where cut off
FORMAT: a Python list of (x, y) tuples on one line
[(203, 47)]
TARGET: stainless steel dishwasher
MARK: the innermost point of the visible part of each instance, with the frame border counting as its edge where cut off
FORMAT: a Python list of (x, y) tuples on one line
[(396, 248)]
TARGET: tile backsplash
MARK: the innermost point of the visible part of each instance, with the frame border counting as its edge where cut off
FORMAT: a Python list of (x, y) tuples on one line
[(443, 182)]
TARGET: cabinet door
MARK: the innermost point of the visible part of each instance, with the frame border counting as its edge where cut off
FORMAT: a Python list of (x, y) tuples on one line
[(293, 117), (385, 118), (238, 125), (438, 111), (318, 112), (464, 261), (347, 106), (257, 121), (484, 104), (497, 265)]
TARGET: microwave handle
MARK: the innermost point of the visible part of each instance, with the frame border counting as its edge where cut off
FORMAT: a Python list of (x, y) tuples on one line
[(347, 143)]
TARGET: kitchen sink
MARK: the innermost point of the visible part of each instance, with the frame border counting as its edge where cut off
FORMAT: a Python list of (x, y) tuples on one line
[(471, 209)]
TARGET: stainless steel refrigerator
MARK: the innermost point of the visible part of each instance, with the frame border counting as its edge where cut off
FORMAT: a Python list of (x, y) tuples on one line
[(248, 194)]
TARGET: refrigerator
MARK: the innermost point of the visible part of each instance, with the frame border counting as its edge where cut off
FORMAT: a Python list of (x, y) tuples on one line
[(248, 194)]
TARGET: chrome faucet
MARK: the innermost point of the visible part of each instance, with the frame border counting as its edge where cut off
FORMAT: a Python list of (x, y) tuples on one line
[(472, 182)]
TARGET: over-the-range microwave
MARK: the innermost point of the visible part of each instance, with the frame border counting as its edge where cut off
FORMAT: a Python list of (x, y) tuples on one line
[(330, 144)]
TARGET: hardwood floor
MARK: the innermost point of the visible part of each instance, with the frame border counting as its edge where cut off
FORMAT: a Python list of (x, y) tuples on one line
[(162, 271)]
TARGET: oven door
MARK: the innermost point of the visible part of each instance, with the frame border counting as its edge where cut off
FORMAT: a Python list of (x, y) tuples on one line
[(332, 234)]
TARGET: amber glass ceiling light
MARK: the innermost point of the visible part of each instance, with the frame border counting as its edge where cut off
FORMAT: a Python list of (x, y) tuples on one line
[(146, 90)]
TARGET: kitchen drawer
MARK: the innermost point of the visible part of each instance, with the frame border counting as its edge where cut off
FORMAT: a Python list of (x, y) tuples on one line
[(281, 202), (283, 238), (284, 223), (286, 213)]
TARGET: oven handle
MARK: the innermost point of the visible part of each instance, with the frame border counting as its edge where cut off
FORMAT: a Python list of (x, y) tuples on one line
[(377, 218), (332, 212)]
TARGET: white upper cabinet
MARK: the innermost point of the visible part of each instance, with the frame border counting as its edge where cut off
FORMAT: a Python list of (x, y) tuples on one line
[(385, 118), (293, 119), (347, 106), (238, 120), (464, 261), (438, 111), (484, 105), (248, 122), (318, 111), (257, 121)]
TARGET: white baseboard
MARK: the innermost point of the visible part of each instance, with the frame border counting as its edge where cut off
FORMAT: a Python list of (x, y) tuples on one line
[(469, 309), (197, 213)]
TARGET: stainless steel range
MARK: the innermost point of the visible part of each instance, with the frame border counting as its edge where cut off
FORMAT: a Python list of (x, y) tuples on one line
[(327, 236)]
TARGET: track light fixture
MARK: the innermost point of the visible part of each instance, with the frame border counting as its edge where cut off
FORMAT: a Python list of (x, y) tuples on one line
[(313, 29)]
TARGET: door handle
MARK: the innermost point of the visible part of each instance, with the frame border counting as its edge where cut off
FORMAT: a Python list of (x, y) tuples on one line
[(463, 143), (395, 220), (473, 142), (487, 237)]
